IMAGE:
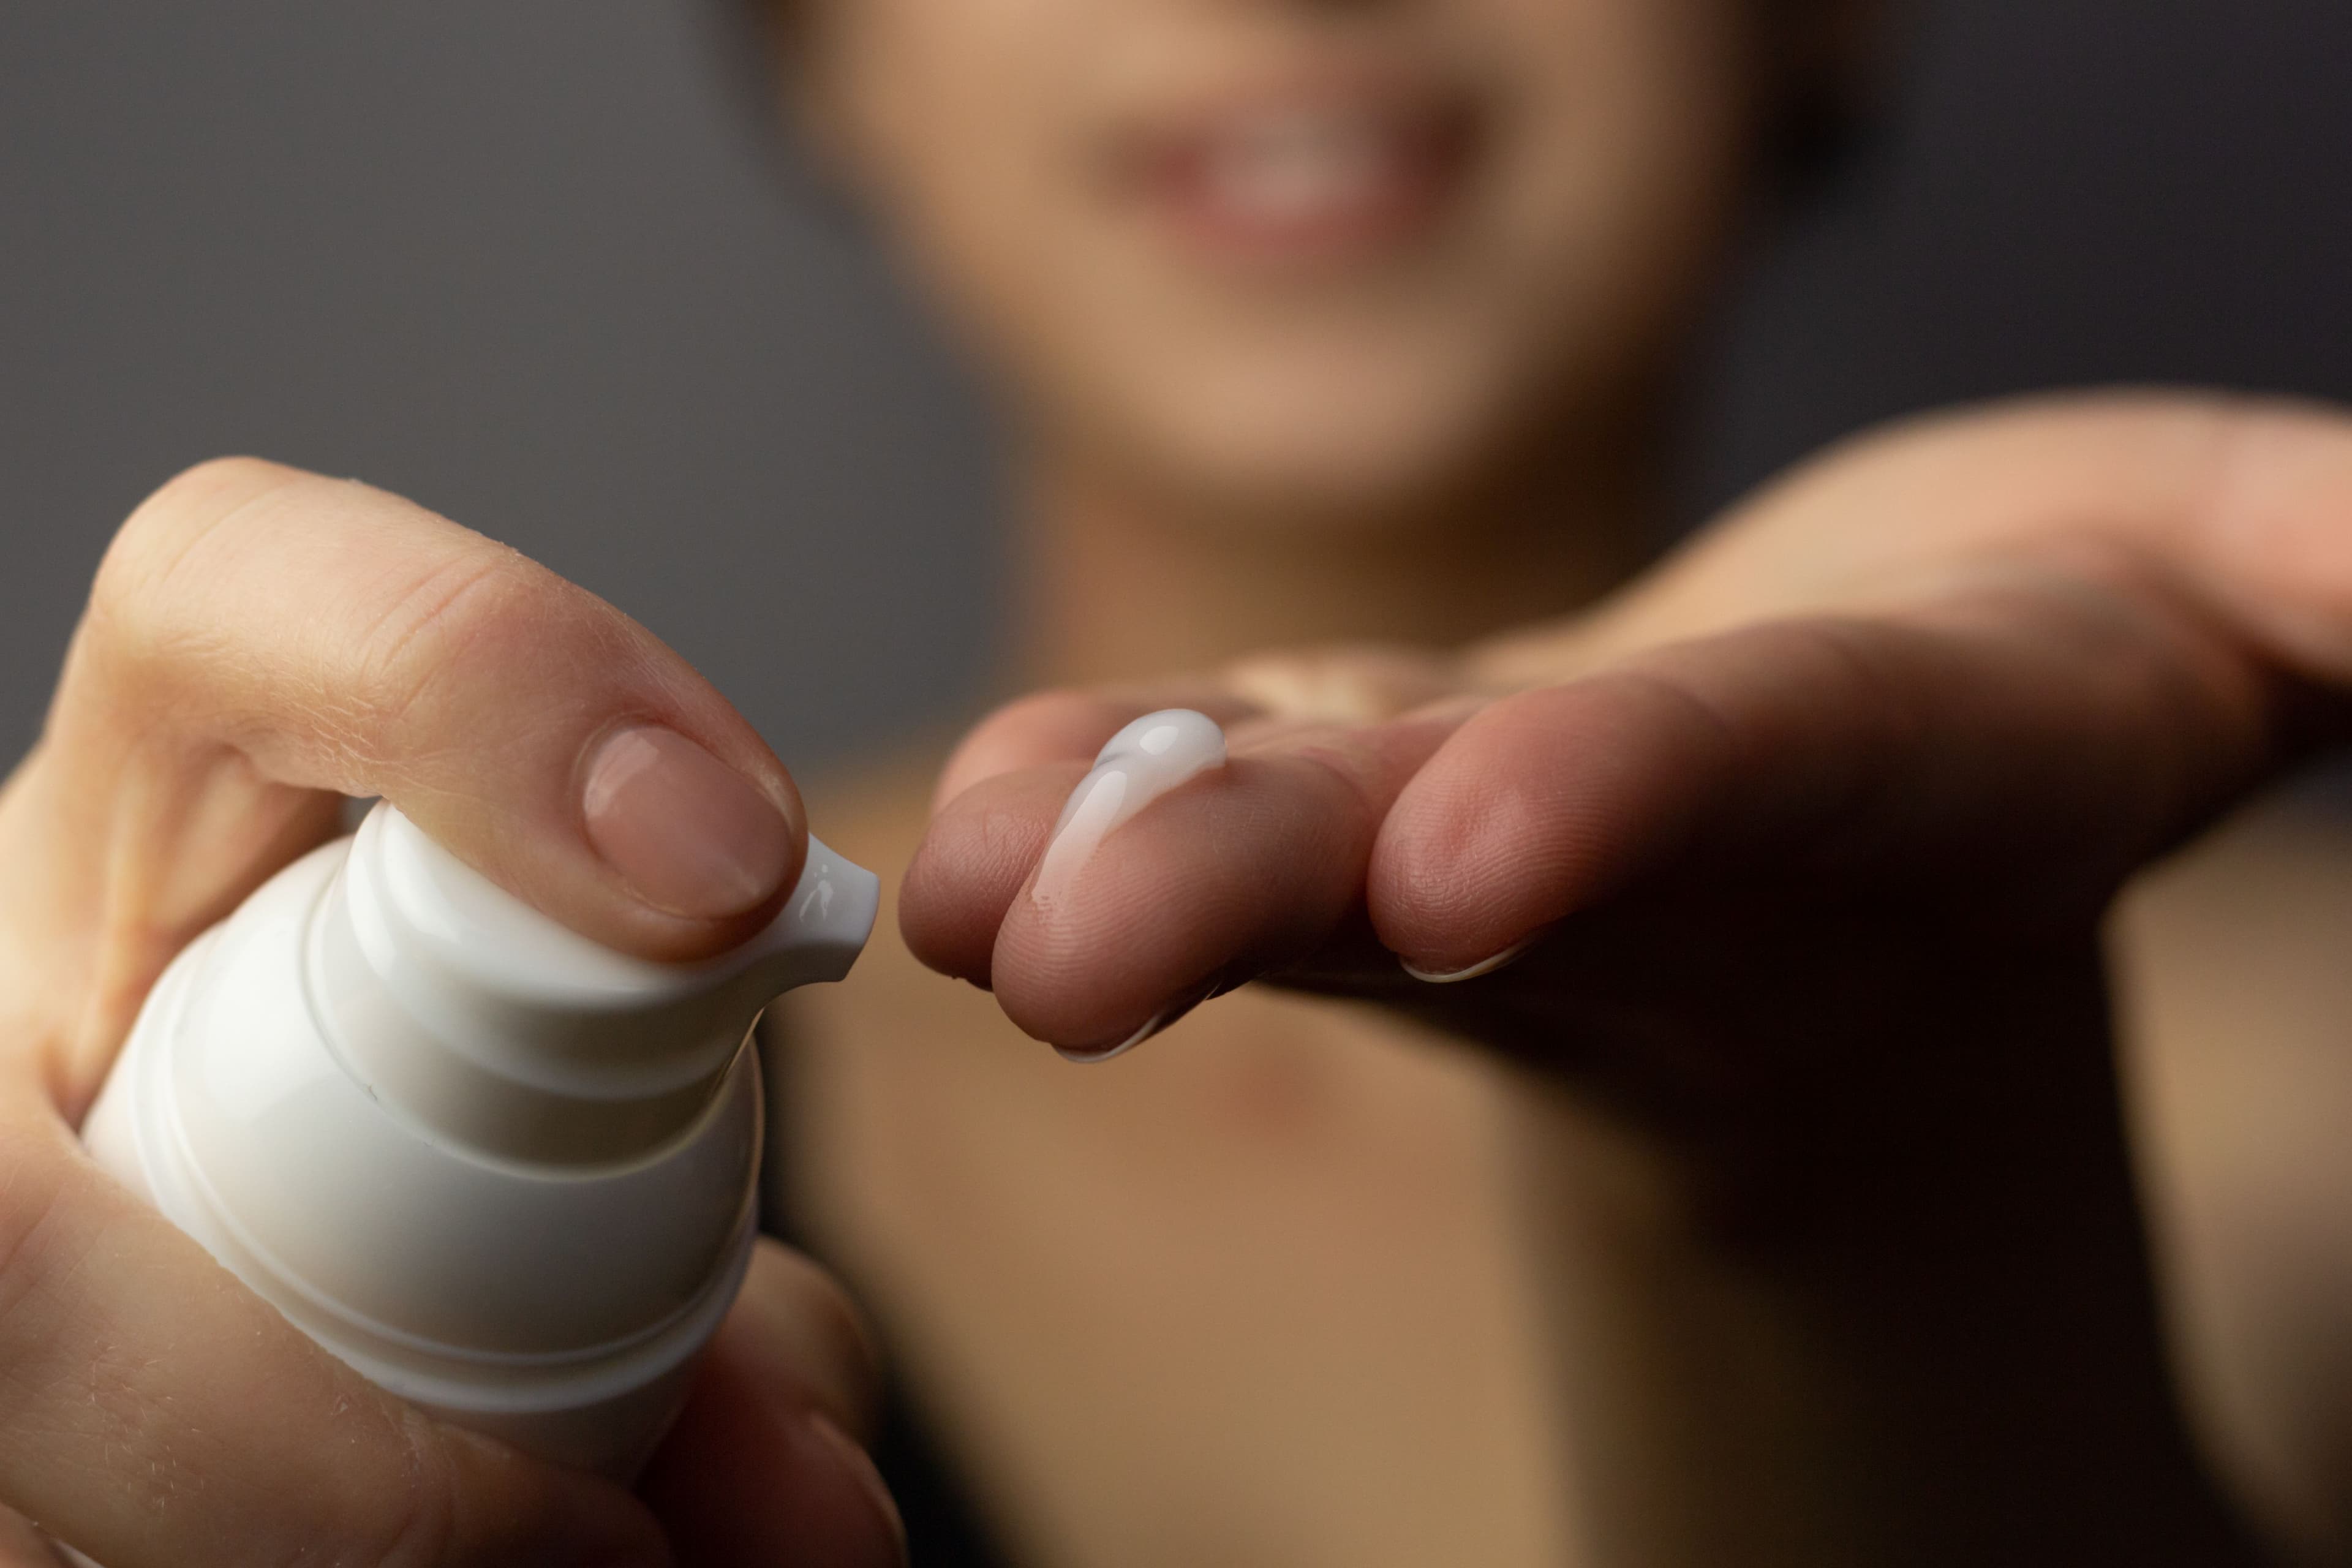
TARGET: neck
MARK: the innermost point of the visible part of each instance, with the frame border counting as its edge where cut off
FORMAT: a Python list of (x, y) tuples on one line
[(1116, 587)]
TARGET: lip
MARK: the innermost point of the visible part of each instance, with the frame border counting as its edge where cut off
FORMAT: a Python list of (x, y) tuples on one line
[(1314, 170)]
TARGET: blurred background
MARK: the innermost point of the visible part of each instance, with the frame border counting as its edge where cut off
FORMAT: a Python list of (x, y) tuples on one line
[(544, 266), (537, 265)]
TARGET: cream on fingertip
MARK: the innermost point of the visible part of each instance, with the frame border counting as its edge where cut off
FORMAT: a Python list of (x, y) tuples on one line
[(1136, 766)]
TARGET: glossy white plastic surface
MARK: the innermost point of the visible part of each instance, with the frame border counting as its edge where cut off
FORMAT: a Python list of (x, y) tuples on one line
[(504, 1173)]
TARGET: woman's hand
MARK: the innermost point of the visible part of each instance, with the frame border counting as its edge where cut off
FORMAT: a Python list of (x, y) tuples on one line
[(1786, 869), (260, 644)]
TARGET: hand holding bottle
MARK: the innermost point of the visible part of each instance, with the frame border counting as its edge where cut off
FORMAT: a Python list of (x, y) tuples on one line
[(259, 644)]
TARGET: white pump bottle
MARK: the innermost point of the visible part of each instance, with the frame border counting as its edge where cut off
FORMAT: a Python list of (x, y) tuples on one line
[(506, 1173)]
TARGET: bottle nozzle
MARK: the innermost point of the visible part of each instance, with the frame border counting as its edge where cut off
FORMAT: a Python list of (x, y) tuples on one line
[(455, 1002)]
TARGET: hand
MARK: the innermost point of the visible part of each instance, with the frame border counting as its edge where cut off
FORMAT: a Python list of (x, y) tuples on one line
[(1784, 870), (260, 644)]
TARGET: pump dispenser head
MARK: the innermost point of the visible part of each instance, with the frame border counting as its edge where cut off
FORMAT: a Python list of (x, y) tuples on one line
[(465, 1009), (504, 1173)]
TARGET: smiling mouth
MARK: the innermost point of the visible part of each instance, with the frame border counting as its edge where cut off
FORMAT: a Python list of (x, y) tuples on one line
[(1306, 178)]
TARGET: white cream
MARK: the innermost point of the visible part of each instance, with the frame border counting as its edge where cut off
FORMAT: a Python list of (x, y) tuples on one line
[(1136, 767)]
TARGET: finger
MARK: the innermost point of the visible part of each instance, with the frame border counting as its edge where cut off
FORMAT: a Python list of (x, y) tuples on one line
[(1241, 869), (1350, 684), (2018, 749), (972, 862), (161, 1415), (795, 1328), (2242, 501), (1071, 726), (256, 634), (759, 1469), (1340, 685), (996, 779)]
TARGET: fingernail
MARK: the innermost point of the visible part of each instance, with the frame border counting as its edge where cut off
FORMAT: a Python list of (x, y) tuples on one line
[(685, 832), (1502, 960), (1159, 1021), (860, 1466)]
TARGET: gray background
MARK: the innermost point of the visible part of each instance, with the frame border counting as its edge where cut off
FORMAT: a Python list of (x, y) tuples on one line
[(525, 261)]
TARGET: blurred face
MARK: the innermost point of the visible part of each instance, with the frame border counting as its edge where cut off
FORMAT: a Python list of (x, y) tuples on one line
[(1298, 255)]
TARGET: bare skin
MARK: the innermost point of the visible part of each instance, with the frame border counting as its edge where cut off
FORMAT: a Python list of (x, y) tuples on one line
[(1307, 1280), (2235, 995), (1223, 451), (1890, 1299), (1255, 1300), (260, 644), (1259, 1302)]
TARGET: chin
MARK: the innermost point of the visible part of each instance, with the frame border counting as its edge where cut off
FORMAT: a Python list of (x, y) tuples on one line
[(1318, 452)]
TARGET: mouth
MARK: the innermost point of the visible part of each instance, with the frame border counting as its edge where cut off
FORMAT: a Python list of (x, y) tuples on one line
[(1322, 175)]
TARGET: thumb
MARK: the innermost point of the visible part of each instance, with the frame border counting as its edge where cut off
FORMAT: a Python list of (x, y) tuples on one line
[(257, 635)]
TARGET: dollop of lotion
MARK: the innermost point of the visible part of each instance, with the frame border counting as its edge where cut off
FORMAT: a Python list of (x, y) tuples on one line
[(1135, 767)]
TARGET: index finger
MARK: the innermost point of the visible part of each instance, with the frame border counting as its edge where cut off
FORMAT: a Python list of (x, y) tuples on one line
[(260, 641), (252, 624), (1251, 867)]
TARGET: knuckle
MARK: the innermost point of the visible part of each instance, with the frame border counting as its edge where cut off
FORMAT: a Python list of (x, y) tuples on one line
[(455, 611), (1352, 767), (161, 531), (274, 596), (137, 616)]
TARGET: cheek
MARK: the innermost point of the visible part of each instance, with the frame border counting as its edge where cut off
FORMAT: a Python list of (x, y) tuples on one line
[(957, 118), (1629, 132)]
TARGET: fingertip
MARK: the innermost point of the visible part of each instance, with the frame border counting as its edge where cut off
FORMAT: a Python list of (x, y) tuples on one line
[(512, 1509), (685, 832), (971, 864), (749, 1478), (794, 1327), (671, 839)]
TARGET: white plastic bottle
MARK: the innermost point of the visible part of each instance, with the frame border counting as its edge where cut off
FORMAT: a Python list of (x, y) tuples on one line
[(505, 1173)]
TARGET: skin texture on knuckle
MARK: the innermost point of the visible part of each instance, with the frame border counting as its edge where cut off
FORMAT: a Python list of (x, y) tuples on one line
[(343, 637), (478, 606), (129, 622), (1353, 771)]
